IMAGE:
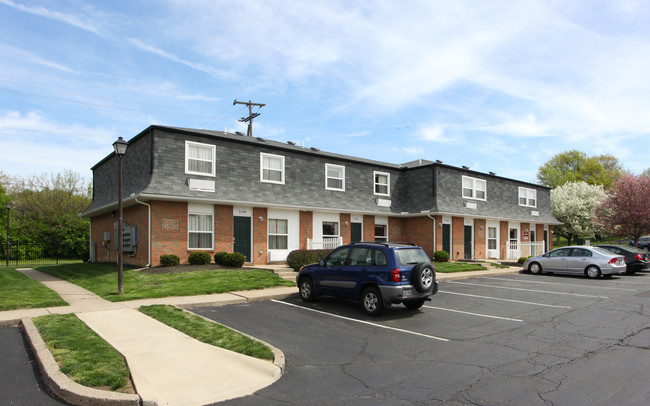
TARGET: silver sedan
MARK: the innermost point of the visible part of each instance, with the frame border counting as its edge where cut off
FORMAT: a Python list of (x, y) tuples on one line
[(583, 260)]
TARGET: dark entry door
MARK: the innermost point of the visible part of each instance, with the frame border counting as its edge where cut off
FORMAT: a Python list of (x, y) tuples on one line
[(468, 242), (356, 232), (446, 239), (242, 237)]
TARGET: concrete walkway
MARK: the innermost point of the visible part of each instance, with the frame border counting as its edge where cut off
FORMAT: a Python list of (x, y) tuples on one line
[(167, 367)]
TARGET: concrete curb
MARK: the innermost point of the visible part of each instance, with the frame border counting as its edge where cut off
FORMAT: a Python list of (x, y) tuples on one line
[(64, 387)]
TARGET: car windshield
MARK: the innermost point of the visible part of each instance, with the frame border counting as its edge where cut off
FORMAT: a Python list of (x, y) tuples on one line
[(410, 256)]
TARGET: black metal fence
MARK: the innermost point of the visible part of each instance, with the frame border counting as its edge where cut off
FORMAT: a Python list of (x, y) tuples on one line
[(44, 253)]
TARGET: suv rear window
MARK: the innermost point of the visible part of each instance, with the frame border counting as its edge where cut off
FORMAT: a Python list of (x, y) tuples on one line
[(411, 256)]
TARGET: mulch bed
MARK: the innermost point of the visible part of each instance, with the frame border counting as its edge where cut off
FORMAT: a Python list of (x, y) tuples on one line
[(183, 268)]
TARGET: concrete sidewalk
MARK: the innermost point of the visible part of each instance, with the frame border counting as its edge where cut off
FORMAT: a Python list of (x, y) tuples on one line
[(167, 367)]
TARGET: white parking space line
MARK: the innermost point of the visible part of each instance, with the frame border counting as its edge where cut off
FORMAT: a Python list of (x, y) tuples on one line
[(473, 314), (363, 322), (503, 300), (528, 290), (556, 283)]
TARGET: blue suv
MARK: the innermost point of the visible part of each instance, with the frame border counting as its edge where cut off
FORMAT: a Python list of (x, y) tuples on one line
[(379, 274)]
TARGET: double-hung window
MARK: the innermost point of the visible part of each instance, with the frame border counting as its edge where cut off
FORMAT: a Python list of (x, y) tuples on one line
[(382, 183), (200, 226), (334, 177), (474, 188), (381, 232), (271, 168), (199, 158), (527, 197), (278, 234)]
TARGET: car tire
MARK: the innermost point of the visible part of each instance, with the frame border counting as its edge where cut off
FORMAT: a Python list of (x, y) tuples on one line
[(592, 271), (422, 277), (306, 288), (413, 304), (535, 268), (372, 302)]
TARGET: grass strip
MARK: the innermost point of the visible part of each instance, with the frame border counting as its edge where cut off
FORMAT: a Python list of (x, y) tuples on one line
[(450, 267), (102, 280), (18, 291), (83, 355), (208, 332)]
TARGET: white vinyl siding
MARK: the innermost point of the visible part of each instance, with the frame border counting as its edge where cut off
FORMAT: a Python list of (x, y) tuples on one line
[(474, 188), (199, 158), (271, 168)]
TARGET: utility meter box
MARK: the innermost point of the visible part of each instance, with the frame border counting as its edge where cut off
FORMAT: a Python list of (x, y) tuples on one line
[(129, 237)]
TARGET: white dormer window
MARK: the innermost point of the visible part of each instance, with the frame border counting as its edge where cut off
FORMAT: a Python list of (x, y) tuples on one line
[(474, 188), (527, 197), (199, 158), (382, 183), (271, 168), (334, 177)]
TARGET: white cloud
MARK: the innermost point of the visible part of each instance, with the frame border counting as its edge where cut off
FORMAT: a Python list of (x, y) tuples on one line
[(433, 133)]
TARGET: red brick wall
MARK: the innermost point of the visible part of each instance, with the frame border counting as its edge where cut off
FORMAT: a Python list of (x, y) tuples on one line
[(457, 238), (306, 228), (223, 228), (504, 235), (369, 228), (480, 239), (419, 231), (346, 229), (260, 236), (168, 230), (133, 216), (396, 230)]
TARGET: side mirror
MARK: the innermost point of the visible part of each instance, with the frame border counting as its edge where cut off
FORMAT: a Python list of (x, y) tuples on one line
[(321, 263)]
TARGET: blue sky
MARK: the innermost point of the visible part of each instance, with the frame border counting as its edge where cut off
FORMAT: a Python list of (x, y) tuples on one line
[(498, 86)]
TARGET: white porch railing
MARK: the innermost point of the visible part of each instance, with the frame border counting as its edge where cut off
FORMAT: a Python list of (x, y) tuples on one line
[(328, 243), (518, 249)]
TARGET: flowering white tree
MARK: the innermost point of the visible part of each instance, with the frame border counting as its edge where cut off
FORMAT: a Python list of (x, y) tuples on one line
[(573, 204)]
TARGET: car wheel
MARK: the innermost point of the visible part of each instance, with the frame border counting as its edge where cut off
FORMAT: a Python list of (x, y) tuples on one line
[(592, 271), (306, 287), (423, 276), (535, 268), (372, 302), (413, 304)]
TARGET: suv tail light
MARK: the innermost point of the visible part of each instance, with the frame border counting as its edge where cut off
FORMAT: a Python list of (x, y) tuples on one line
[(397, 275)]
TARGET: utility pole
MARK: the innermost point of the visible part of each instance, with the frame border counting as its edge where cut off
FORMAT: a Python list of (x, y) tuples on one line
[(251, 116)]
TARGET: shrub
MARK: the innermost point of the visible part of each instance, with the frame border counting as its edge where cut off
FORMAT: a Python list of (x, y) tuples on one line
[(441, 256), (235, 260), (521, 260), (299, 258), (220, 258), (199, 258), (170, 260)]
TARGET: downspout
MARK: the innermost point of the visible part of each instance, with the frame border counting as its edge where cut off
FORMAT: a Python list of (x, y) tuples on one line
[(148, 228)]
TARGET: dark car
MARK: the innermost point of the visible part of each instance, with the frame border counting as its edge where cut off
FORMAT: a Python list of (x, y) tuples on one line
[(635, 258), (378, 274), (643, 243)]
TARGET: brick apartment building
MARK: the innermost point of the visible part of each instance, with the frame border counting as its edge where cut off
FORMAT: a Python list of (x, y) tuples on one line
[(186, 190)]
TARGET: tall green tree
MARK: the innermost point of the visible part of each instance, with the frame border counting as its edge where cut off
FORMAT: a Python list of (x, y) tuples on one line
[(576, 166), (47, 208), (573, 204)]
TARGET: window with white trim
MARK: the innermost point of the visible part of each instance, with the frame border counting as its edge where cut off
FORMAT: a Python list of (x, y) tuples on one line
[(278, 234), (527, 197), (381, 232), (200, 226), (199, 158), (334, 177), (382, 183), (330, 229), (474, 188), (492, 238), (271, 168)]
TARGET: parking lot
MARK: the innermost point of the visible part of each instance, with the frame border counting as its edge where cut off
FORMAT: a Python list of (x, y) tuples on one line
[(517, 339)]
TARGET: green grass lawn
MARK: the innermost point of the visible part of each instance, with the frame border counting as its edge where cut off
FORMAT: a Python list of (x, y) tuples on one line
[(208, 332), (82, 355), (18, 291), (449, 267), (102, 280)]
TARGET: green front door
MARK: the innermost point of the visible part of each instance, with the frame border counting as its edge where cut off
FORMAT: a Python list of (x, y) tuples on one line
[(468, 242), (356, 231), (446, 239), (242, 236)]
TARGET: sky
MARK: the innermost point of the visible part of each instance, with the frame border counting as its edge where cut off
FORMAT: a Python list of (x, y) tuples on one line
[(499, 86)]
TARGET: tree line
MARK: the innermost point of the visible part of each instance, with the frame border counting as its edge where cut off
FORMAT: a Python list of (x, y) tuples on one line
[(45, 207), (595, 196)]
